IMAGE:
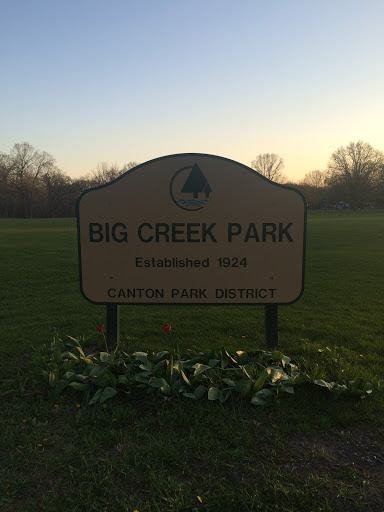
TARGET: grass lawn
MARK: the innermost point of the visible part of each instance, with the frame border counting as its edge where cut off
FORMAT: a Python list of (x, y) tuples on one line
[(147, 453)]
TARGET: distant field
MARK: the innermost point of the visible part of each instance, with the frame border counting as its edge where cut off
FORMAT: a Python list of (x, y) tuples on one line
[(139, 452), (342, 305)]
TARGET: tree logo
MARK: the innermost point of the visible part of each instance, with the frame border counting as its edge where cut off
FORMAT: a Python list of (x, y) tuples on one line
[(189, 188)]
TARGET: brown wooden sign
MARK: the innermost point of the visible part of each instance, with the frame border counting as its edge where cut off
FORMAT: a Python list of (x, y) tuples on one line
[(194, 229)]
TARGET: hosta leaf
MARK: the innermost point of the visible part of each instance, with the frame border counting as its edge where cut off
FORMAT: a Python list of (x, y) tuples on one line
[(107, 380), (79, 386), (322, 383), (162, 354), (176, 369), (96, 397), (146, 374), (260, 380), (57, 356), (68, 365), (104, 357), (123, 380), (141, 356), (276, 374), (369, 388), (157, 383), (80, 378), (178, 385), (185, 378), (200, 368), (194, 359), (288, 381), (230, 357), (278, 356), (244, 386), (242, 357), (212, 375), (166, 389), (190, 395), (107, 393), (52, 378), (225, 394), (288, 389), (265, 393), (98, 371), (145, 368), (229, 382), (338, 389), (160, 365), (262, 397), (300, 378), (60, 386), (75, 341), (290, 367), (213, 393), (80, 350), (199, 392), (355, 384), (244, 370), (141, 378), (258, 401), (266, 356)]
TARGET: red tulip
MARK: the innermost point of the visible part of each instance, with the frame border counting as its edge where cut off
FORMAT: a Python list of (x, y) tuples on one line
[(101, 328), (166, 327)]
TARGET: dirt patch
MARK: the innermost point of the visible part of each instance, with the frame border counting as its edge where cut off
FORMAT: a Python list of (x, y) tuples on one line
[(352, 457)]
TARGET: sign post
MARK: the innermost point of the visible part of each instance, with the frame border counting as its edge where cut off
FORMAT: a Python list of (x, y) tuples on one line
[(271, 326), (192, 229), (113, 325)]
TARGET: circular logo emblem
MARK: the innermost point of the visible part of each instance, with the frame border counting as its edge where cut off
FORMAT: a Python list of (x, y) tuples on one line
[(189, 188)]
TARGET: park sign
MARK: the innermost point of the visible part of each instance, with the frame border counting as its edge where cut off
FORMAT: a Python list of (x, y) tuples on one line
[(191, 229)]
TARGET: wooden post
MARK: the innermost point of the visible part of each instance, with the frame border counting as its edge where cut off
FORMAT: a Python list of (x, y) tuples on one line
[(113, 325), (271, 327)]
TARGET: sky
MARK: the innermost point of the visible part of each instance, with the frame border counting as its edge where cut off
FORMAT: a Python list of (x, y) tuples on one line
[(115, 81)]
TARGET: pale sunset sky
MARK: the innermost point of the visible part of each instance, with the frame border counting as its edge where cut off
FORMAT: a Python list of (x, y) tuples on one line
[(121, 80)]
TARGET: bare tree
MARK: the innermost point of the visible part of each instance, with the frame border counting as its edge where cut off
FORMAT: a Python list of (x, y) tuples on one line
[(128, 166), (31, 184), (57, 193), (83, 182), (315, 179), (27, 165), (104, 173), (271, 166), (356, 168), (6, 189), (313, 186), (378, 195)]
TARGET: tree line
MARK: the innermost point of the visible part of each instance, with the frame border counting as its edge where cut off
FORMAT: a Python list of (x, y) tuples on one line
[(31, 185), (354, 177)]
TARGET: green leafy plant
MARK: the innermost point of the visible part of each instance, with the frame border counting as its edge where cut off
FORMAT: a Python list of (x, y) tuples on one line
[(259, 377)]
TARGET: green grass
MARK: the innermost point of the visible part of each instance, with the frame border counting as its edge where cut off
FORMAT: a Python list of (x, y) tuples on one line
[(146, 453)]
